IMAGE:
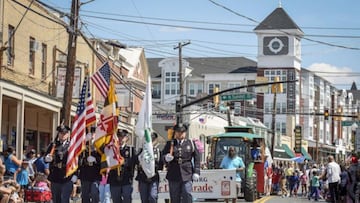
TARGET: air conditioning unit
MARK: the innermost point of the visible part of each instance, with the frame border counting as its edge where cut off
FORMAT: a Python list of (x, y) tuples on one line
[(34, 45)]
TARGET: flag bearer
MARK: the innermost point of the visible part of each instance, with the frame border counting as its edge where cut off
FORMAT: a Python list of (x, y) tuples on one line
[(148, 187), (56, 155), (183, 165), (89, 171), (121, 179)]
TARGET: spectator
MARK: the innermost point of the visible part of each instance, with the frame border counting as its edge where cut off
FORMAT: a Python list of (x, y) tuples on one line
[(304, 185), (21, 175), (276, 181), (40, 166), (283, 185), (31, 157), (12, 163), (343, 183), (268, 179), (333, 177), (315, 184)]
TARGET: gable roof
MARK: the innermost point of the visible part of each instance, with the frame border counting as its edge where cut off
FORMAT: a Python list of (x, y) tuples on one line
[(205, 65), (278, 19)]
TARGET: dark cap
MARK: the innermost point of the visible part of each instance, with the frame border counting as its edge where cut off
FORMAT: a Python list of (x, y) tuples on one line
[(122, 133), (181, 127), (154, 135), (63, 129)]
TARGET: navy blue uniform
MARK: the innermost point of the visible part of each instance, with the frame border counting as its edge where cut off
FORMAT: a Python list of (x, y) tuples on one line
[(121, 179), (148, 187), (180, 170), (89, 174), (61, 186)]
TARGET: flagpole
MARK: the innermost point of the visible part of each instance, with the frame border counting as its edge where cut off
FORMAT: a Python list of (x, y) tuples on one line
[(87, 92)]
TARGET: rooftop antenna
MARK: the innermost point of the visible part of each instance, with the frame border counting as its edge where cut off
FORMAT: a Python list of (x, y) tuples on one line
[(280, 4)]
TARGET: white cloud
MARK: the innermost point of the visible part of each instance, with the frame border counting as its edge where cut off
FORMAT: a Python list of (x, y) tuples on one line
[(338, 76), (174, 29)]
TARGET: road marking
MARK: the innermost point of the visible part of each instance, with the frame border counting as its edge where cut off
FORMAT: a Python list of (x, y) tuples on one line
[(264, 199)]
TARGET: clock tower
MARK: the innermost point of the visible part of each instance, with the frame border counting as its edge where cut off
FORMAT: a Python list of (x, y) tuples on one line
[(279, 41), (279, 56)]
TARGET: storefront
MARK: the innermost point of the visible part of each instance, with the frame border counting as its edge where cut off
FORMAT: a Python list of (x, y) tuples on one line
[(28, 118)]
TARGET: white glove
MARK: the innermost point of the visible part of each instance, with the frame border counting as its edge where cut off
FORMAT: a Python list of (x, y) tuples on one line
[(169, 157), (74, 178), (195, 177), (91, 159), (88, 137), (48, 158)]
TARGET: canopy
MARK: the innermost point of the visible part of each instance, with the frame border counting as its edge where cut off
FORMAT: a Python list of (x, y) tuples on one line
[(299, 159)]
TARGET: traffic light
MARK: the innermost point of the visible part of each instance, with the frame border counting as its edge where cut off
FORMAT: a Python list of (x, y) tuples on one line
[(216, 98), (326, 114)]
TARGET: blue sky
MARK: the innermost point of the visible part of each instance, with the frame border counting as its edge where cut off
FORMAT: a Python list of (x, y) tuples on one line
[(339, 19)]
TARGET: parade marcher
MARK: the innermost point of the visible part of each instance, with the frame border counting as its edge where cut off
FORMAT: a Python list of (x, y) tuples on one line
[(56, 155), (233, 161), (333, 177), (148, 187), (121, 179), (89, 171), (183, 165)]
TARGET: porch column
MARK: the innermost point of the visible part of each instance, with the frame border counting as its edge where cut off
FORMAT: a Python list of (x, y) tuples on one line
[(1, 103), (20, 127), (55, 123)]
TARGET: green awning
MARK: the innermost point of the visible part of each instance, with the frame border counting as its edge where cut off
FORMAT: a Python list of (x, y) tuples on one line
[(305, 154), (279, 153), (288, 150)]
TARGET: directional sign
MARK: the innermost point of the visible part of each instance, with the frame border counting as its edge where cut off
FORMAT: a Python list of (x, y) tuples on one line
[(349, 123), (231, 97)]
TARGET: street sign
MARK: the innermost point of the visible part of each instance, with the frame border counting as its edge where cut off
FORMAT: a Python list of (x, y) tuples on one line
[(349, 123), (231, 97)]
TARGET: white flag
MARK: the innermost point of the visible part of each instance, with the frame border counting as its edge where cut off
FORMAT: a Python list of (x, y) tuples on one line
[(143, 130)]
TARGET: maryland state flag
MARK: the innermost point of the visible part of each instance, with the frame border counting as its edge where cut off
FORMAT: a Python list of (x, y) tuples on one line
[(106, 142)]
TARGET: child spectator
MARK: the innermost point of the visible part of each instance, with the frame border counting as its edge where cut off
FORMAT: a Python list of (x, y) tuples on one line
[(315, 184), (41, 182), (304, 186), (276, 181), (21, 176)]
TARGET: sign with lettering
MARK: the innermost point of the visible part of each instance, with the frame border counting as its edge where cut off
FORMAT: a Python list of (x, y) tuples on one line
[(212, 184), (230, 97), (298, 138), (60, 82)]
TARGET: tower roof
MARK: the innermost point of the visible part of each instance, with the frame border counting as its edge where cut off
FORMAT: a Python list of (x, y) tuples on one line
[(278, 19), (353, 86)]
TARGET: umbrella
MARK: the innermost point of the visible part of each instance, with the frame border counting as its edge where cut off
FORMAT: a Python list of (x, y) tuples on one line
[(298, 159)]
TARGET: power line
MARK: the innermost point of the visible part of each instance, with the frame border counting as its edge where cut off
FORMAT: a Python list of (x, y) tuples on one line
[(252, 20)]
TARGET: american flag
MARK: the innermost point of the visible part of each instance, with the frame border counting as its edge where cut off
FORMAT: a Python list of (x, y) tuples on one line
[(101, 79), (85, 116)]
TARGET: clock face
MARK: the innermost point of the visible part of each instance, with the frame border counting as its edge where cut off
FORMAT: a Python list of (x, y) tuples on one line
[(276, 45)]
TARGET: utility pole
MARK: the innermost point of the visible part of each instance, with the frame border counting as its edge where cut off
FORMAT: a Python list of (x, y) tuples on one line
[(179, 104), (275, 88), (71, 62)]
